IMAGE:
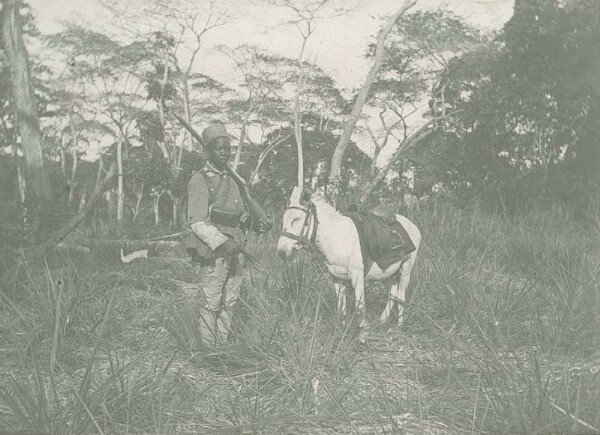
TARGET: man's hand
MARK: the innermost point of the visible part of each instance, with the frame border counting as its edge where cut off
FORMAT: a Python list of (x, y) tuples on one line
[(265, 225), (228, 249)]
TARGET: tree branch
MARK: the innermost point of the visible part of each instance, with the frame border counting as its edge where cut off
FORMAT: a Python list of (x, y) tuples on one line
[(413, 139), (264, 154), (340, 149)]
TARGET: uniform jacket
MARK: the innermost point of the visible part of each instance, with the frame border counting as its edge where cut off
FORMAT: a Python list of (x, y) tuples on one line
[(203, 235)]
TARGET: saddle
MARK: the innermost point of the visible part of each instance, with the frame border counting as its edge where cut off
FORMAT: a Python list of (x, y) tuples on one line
[(383, 239), (386, 213)]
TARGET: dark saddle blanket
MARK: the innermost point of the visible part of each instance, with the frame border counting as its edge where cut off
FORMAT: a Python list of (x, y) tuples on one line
[(383, 239)]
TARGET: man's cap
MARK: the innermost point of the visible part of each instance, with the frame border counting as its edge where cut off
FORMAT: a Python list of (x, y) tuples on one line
[(212, 132)]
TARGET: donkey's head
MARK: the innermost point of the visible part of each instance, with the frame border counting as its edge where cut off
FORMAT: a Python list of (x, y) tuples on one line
[(299, 224)]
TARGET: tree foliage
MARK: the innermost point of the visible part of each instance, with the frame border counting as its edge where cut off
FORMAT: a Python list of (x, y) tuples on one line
[(529, 108), (524, 106)]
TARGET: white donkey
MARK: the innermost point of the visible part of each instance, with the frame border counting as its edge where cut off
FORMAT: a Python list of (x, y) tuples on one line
[(309, 219)]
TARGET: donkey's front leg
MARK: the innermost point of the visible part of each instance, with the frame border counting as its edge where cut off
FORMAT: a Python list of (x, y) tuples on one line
[(340, 293), (358, 282)]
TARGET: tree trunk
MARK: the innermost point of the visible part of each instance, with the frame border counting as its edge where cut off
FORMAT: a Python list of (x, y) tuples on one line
[(378, 148), (73, 173), (175, 217), (161, 107), (298, 121), (238, 152), (298, 137), (120, 194), (186, 109), (22, 183), (161, 111), (156, 209), (63, 157), (138, 204), (20, 178), (74, 155), (99, 173), (340, 149), (24, 98)]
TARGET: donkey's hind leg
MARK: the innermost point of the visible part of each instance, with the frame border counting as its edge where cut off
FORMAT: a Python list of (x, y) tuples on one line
[(398, 289), (392, 283)]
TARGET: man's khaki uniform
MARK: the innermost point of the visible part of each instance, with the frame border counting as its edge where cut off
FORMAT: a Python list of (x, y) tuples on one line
[(221, 278)]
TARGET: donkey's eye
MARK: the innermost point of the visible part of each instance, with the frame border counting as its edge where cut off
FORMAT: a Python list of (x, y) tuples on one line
[(296, 219)]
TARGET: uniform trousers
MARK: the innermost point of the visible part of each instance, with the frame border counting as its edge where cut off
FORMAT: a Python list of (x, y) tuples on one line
[(220, 282)]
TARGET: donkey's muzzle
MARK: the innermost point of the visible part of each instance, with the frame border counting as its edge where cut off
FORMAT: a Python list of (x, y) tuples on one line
[(286, 248)]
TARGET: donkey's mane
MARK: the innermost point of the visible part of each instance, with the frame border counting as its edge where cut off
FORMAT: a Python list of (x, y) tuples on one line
[(319, 199), (316, 198)]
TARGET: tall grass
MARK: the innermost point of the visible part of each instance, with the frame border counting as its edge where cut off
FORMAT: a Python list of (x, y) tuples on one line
[(517, 301), (501, 337)]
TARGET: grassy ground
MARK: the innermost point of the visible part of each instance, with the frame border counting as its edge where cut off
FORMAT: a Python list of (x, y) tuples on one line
[(502, 335)]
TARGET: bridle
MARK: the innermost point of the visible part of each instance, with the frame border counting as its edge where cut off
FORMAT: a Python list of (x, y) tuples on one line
[(306, 236)]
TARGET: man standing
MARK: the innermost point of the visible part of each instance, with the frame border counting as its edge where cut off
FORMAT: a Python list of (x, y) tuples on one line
[(217, 222)]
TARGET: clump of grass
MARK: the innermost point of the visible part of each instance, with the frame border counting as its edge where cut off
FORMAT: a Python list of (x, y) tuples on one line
[(76, 403), (287, 338), (497, 340), (88, 341), (508, 299)]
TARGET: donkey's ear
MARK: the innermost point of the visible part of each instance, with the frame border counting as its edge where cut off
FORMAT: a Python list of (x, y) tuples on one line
[(305, 196)]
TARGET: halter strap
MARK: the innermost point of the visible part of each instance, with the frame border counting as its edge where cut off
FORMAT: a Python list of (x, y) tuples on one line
[(305, 240)]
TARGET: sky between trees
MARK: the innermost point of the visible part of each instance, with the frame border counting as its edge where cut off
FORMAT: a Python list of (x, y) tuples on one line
[(338, 45)]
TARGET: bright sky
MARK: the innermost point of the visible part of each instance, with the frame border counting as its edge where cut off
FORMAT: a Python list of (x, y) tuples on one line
[(337, 45)]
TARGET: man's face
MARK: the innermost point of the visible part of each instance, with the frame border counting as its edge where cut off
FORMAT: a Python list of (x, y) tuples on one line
[(219, 152)]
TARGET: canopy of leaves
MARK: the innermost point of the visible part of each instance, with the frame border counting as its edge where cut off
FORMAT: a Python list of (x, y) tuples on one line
[(417, 51), (529, 103)]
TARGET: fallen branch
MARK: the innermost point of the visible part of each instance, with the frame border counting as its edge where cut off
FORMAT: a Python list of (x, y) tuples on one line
[(59, 235), (82, 249), (122, 243)]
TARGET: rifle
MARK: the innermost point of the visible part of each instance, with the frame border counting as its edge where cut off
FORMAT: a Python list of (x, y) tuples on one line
[(256, 211)]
